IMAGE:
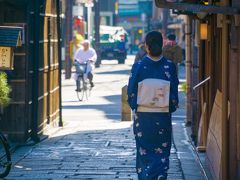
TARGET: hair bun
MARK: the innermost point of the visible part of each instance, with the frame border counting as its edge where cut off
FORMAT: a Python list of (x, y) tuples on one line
[(154, 41)]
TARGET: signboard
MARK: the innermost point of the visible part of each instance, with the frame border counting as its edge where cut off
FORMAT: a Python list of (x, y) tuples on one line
[(128, 8), (77, 10), (196, 6), (6, 58), (84, 1)]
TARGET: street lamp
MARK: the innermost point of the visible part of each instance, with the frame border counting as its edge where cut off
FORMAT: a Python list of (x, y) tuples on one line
[(203, 31)]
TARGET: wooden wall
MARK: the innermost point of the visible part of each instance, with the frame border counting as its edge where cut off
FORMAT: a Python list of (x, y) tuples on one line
[(48, 67), (234, 120), (221, 62), (211, 65), (18, 119)]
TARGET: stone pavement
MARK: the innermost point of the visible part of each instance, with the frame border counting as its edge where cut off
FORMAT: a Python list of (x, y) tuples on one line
[(94, 143)]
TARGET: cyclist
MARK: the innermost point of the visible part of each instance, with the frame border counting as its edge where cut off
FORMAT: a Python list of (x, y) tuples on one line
[(86, 54)]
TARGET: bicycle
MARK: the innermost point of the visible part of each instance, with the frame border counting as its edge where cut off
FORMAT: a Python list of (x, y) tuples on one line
[(83, 85), (5, 157)]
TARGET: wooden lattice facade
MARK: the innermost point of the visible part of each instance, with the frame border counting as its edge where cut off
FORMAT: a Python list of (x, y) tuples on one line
[(218, 58), (35, 79)]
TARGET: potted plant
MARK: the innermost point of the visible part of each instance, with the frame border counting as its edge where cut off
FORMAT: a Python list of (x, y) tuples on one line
[(4, 90)]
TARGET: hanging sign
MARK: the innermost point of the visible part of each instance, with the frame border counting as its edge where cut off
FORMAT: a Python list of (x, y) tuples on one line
[(84, 1), (6, 58)]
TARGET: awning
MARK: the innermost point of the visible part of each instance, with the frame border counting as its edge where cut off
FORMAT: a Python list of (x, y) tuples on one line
[(11, 36)]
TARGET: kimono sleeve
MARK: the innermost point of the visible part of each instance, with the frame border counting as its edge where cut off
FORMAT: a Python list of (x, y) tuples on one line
[(174, 89), (133, 86)]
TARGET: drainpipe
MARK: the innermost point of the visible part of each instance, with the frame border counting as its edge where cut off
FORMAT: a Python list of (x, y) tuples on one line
[(35, 80), (49, 69), (188, 33), (195, 75), (59, 62)]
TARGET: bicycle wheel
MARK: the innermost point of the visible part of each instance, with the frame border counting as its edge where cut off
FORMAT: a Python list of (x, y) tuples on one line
[(5, 157), (88, 89), (80, 92)]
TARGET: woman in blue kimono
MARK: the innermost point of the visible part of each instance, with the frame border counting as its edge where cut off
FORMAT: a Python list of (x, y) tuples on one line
[(153, 96)]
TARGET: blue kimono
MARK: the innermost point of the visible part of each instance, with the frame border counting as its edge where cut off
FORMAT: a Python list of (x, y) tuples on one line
[(153, 130)]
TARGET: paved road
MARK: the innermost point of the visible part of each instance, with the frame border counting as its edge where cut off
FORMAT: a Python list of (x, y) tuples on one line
[(94, 143)]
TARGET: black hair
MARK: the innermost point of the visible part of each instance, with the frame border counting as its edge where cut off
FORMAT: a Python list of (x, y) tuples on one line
[(154, 41), (171, 37)]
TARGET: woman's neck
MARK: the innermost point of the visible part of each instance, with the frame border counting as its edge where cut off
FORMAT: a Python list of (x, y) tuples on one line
[(155, 58)]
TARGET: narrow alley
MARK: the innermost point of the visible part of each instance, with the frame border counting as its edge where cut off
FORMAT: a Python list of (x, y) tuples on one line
[(94, 143)]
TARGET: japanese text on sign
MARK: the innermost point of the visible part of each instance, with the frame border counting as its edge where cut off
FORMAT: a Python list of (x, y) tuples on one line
[(5, 57)]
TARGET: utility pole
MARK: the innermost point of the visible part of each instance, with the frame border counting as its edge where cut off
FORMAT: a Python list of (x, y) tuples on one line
[(35, 91), (165, 15), (68, 39), (97, 33)]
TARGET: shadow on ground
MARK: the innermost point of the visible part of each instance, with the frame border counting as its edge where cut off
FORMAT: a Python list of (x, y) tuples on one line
[(97, 154), (112, 110)]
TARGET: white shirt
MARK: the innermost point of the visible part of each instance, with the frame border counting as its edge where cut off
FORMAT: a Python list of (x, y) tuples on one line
[(83, 56), (153, 59)]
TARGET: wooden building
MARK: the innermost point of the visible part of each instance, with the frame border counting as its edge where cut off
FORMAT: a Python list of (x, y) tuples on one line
[(213, 80), (35, 80)]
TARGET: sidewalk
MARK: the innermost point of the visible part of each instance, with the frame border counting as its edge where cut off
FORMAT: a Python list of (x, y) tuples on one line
[(94, 143), (190, 164)]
